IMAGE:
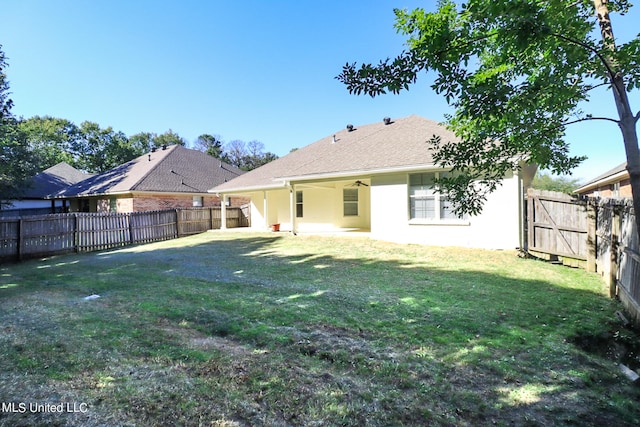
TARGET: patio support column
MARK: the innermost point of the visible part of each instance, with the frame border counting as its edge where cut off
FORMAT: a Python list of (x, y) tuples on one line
[(223, 213), (265, 207), (292, 207)]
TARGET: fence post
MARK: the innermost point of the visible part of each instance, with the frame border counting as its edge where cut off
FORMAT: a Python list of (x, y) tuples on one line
[(591, 237), (613, 260), (131, 230), (178, 225), (76, 236), (20, 239)]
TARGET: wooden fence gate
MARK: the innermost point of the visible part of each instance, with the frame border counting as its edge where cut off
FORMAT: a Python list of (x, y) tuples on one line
[(596, 234), (558, 226)]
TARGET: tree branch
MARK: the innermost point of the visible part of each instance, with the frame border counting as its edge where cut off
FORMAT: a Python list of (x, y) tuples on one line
[(609, 119), (602, 59)]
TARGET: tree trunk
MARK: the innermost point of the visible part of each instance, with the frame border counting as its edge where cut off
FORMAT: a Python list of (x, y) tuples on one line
[(627, 120)]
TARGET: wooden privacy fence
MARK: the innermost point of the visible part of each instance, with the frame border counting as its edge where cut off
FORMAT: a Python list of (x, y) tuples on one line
[(597, 234), (37, 236)]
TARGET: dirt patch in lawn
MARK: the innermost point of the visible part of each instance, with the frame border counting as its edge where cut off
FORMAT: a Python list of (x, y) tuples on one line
[(197, 340), (619, 344)]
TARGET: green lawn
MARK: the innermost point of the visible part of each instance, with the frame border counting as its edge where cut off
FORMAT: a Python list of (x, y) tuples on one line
[(243, 329)]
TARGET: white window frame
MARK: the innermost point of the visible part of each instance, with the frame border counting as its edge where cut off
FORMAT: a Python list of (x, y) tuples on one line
[(351, 203), (430, 192), (299, 204), (198, 201)]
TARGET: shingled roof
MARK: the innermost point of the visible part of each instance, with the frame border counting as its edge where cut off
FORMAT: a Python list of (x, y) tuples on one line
[(175, 169), (54, 179), (366, 149)]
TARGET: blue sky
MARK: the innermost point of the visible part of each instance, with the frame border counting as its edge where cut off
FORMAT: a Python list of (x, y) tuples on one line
[(249, 70)]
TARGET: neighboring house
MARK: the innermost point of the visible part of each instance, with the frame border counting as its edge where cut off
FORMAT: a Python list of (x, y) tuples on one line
[(166, 178), (35, 201), (613, 183), (377, 178)]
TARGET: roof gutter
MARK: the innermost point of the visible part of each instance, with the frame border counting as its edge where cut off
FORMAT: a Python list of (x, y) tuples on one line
[(356, 173), (276, 186), (607, 180)]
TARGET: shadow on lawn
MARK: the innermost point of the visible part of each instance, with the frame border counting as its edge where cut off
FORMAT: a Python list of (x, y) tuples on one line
[(446, 344)]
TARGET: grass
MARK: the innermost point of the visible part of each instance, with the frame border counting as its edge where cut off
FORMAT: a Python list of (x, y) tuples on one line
[(240, 329)]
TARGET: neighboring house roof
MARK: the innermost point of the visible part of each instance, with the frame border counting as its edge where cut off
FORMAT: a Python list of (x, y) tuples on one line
[(616, 174), (175, 169), (54, 179), (376, 147)]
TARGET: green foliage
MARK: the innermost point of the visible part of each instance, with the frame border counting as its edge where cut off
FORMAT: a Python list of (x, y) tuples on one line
[(563, 183), (168, 138), (515, 72), (98, 150), (142, 142), (209, 144), (50, 140), (5, 102), (16, 160)]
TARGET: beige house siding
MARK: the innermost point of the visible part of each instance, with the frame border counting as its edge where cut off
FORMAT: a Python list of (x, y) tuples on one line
[(323, 208), (497, 227), (383, 210)]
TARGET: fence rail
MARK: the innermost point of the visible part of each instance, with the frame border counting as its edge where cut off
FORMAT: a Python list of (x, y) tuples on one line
[(597, 234), (45, 235)]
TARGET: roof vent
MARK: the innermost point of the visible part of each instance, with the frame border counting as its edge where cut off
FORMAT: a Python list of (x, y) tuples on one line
[(350, 127), (334, 139), (153, 149), (387, 120), (164, 147), (149, 157)]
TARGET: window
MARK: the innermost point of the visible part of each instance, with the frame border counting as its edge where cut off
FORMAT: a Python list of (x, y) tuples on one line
[(298, 204), (197, 201), (113, 204), (350, 201), (425, 203)]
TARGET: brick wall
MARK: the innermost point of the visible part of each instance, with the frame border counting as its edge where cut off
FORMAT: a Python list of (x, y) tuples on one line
[(151, 202), (161, 202), (608, 190)]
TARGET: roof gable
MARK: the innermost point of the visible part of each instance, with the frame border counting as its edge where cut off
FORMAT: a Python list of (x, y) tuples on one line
[(175, 169), (54, 179), (373, 147)]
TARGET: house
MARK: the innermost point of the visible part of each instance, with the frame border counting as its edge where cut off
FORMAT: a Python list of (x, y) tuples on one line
[(613, 183), (377, 178), (165, 178), (35, 199)]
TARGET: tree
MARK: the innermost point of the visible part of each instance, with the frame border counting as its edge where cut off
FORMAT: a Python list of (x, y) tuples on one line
[(142, 142), (51, 140), (16, 161), (98, 150), (561, 183), (212, 145), (517, 73), (169, 138), (246, 156)]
